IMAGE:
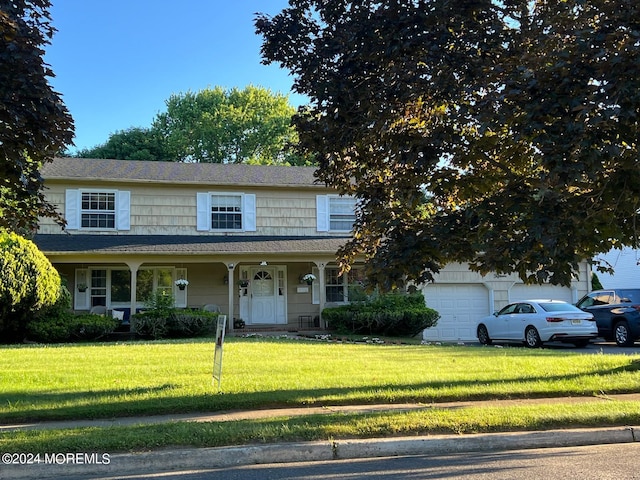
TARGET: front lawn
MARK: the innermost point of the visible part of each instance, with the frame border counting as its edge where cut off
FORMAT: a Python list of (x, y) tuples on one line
[(145, 378)]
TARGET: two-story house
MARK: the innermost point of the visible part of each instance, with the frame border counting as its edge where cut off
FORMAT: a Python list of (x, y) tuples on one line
[(242, 236)]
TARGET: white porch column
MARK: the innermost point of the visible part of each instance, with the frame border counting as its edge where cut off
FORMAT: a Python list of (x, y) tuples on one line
[(322, 293), (232, 291), (133, 269)]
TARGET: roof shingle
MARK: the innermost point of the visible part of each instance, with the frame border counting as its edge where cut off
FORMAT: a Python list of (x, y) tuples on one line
[(177, 172), (184, 244)]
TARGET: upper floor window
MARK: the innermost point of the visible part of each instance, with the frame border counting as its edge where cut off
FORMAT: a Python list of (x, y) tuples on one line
[(335, 213), (97, 209), (226, 212)]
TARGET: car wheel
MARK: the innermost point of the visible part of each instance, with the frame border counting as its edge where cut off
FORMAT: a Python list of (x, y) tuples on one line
[(532, 338), (622, 334), (483, 335), (581, 343)]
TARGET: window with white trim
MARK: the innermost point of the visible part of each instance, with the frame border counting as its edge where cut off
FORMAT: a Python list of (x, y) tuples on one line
[(154, 280), (98, 210), (341, 288), (111, 287), (335, 213), (342, 214), (226, 212), (93, 209), (98, 290)]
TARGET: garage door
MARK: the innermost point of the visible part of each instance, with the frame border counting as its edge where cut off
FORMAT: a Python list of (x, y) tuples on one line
[(521, 292), (460, 307)]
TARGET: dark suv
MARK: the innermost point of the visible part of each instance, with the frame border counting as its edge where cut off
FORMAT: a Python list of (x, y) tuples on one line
[(616, 312)]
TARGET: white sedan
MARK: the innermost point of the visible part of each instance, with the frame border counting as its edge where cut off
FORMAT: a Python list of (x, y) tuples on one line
[(537, 321)]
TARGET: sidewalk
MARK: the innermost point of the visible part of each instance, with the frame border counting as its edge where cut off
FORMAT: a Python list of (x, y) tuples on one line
[(197, 458)]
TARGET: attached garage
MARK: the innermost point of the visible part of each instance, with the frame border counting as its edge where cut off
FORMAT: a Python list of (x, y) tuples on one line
[(462, 297), (521, 292), (460, 306)]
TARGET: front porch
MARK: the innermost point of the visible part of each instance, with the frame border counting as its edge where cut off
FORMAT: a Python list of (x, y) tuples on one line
[(267, 296), (259, 279)]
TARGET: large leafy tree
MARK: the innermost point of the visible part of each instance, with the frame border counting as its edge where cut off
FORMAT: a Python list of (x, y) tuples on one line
[(34, 123), (252, 125), (503, 134), (227, 126), (134, 143)]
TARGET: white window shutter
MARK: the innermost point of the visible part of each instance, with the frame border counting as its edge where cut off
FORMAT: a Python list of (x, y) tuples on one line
[(249, 212), (72, 209), (203, 212), (124, 210), (322, 213), (181, 295), (81, 299)]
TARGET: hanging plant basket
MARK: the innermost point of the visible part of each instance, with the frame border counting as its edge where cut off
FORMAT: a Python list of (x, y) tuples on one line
[(308, 278)]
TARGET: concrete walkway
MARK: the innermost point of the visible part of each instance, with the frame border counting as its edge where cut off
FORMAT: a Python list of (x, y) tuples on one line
[(117, 465), (226, 416)]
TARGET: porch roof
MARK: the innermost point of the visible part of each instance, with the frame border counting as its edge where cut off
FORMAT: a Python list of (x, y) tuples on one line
[(185, 244)]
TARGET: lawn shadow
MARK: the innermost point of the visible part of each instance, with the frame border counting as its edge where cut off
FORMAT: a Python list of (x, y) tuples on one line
[(110, 403)]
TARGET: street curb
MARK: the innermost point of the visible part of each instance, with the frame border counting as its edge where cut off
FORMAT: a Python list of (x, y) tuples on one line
[(220, 457)]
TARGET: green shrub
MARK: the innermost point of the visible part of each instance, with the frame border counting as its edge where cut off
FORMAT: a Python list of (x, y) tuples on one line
[(174, 324), (193, 323), (52, 324), (595, 282), (160, 302), (150, 324), (161, 319), (89, 326), (28, 283), (389, 314)]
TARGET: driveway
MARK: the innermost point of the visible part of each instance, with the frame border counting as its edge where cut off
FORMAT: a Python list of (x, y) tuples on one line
[(610, 347), (598, 346)]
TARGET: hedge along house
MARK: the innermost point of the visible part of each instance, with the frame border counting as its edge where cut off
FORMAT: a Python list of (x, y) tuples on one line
[(242, 236)]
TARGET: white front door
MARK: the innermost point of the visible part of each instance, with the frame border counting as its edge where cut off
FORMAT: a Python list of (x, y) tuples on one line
[(263, 295)]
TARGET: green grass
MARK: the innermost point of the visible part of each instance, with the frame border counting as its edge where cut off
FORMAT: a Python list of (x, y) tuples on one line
[(144, 378)]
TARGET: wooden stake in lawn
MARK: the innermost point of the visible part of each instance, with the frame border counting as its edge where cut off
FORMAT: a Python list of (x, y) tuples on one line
[(217, 354)]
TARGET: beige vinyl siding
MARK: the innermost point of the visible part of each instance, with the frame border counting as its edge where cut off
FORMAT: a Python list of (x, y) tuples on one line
[(171, 210), (300, 303), (286, 213)]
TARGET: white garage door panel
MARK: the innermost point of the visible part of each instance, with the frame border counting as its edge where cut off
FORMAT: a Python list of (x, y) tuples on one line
[(460, 306), (521, 292)]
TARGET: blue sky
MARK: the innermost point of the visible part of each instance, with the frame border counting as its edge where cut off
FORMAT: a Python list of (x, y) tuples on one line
[(117, 61)]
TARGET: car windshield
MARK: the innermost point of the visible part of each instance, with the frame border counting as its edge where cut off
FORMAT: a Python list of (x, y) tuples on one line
[(559, 307), (629, 295)]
